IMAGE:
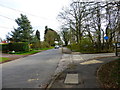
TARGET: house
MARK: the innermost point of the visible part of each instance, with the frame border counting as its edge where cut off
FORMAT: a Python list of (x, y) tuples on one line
[(3, 42)]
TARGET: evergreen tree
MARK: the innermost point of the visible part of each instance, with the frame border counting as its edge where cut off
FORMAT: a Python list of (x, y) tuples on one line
[(46, 29), (38, 35), (24, 32)]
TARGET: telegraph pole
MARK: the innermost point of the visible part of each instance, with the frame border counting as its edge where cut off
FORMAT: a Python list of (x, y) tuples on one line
[(116, 53)]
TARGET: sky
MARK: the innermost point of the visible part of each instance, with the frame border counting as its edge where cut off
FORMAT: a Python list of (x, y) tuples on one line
[(40, 13)]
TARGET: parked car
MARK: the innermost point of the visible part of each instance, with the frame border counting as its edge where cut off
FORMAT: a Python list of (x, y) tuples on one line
[(57, 46)]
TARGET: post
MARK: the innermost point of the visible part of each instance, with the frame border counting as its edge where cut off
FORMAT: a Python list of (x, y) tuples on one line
[(62, 48), (116, 54)]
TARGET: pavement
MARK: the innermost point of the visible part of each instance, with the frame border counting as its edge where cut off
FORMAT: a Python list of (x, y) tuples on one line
[(85, 65)]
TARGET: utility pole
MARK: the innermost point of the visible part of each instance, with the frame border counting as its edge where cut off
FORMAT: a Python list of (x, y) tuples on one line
[(116, 53)]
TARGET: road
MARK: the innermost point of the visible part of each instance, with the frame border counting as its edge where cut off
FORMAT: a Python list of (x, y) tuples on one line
[(31, 71)]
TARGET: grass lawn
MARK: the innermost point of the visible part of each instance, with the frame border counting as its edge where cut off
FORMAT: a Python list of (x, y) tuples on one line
[(109, 74), (2, 59)]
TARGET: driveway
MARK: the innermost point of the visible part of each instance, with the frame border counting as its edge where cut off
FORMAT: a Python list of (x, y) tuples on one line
[(33, 71)]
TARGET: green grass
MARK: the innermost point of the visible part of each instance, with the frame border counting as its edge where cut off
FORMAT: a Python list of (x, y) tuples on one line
[(2, 59), (46, 48), (26, 53), (109, 74), (30, 52)]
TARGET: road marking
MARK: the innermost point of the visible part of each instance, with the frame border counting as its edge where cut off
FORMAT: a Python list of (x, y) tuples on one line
[(32, 79), (91, 62)]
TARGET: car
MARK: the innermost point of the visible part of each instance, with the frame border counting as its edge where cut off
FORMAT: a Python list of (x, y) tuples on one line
[(56, 46)]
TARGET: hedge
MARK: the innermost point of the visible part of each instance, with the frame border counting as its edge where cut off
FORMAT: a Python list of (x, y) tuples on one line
[(20, 46), (4, 47)]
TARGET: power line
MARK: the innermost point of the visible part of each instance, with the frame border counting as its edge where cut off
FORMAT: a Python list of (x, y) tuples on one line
[(21, 11), (15, 9), (7, 17), (5, 27)]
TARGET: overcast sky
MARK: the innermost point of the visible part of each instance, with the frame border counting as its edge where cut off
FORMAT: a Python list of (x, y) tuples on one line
[(39, 12)]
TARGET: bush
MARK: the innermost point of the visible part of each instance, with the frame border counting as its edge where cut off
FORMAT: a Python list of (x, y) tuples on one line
[(4, 47), (35, 45), (45, 45), (74, 47), (20, 46), (39, 45)]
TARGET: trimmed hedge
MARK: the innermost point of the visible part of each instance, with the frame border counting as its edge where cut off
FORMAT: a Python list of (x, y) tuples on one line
[(19, 46), (4, 47)]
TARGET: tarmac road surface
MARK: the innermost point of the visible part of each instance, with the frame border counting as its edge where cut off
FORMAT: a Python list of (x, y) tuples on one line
[(31, 71)]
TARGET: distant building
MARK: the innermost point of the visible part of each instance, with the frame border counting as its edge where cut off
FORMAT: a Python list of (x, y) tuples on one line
[(3, 42)]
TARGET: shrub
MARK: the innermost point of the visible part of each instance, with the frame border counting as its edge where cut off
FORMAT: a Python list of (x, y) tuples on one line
[(35, 45), (74, 47), (44, 45), (19, 46), (83, 48)]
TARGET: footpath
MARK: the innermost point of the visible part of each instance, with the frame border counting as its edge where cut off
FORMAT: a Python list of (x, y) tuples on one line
[(79, 70)]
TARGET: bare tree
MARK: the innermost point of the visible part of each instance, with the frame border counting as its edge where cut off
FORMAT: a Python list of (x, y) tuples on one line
[(93, 19)]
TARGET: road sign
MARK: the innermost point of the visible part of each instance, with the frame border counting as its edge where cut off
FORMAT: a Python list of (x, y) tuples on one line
[(106, 37)]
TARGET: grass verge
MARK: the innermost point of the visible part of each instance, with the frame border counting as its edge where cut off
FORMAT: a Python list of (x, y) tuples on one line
[(2, 59), (45, 48), (109, 74), (26, 53), (30, 52)]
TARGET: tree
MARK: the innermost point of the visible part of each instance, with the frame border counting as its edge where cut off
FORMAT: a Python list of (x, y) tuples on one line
[(15, 36), (24, 32), (95, 23), (46, 29), (51, 36), (94, 20), (112, 17), (73, 17), (38, 35), (65, 35)]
